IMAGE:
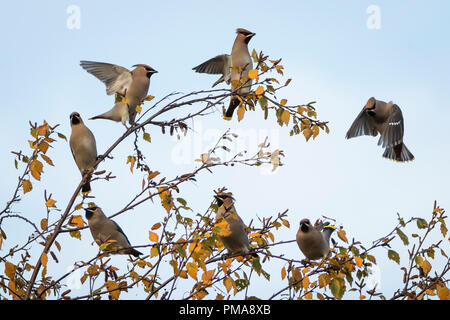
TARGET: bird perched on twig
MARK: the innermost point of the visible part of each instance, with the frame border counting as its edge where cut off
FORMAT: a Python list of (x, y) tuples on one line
[(105, 230), (233, 67), (314, 241), (83, 147), (130, 87), (387, 120), (237, 241)]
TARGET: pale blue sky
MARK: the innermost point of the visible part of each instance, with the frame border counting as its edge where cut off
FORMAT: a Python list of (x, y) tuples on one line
[(327, 49)]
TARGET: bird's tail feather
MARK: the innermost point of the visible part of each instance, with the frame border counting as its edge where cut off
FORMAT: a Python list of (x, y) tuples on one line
[(399, 153), (86, 187), (134, 252), (234, 103)]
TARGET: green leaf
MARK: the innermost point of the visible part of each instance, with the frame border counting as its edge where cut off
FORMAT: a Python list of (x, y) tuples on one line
[(337, 288), (147, 137), (181, 251), (256, 265), (394, 256), (182, 201), (422, 223), (241, 284), (403, 237), (60, 135), (418, 260), (254, 56)]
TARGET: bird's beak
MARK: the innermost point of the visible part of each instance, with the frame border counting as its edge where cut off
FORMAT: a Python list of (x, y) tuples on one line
[(154, 71), (251, 35), (368, 107)]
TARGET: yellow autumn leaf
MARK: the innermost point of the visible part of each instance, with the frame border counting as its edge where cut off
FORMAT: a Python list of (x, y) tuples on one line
[(112, 287), (324, 280), (75, 234), (296, 274), (192, 269), (283, 273), (47, 159), (27, 186), (50, 203), (44, 224), (154, 252), (285, 223), (156, 226), (285, 117), (341, 235), (443, 292), (240, 112), (426, 267), (305, 282), (259, 91), (36, 169), (10, 270), (43, 146), (153, 236), (315, 131), (228, 283), (207, 277), (149, 98), (138, 109), (153, 174), (200, 294), (166, 198), (358, 261), (44, 259), (132, 161), (307, 133), (77, 221), (283, 102), (42, 130), (253, 74)]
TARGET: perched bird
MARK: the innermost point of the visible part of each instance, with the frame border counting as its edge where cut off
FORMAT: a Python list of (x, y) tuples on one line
[(233, 68), (314, 241), (83, 147), (237, 242), (387, 120), (132, 86), (105, 230)]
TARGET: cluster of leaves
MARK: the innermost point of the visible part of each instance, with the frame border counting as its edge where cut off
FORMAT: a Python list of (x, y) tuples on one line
[(303, 117), (185, 246)]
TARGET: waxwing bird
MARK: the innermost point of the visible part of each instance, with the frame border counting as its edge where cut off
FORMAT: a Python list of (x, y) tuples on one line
[(130, 85), (233, 68), (314, 241), (237, 242), (387, 120), (105, 230), (83, 147)]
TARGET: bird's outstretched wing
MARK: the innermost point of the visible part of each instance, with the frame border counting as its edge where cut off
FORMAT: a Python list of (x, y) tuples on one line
[(361, 126), (117, 79)]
